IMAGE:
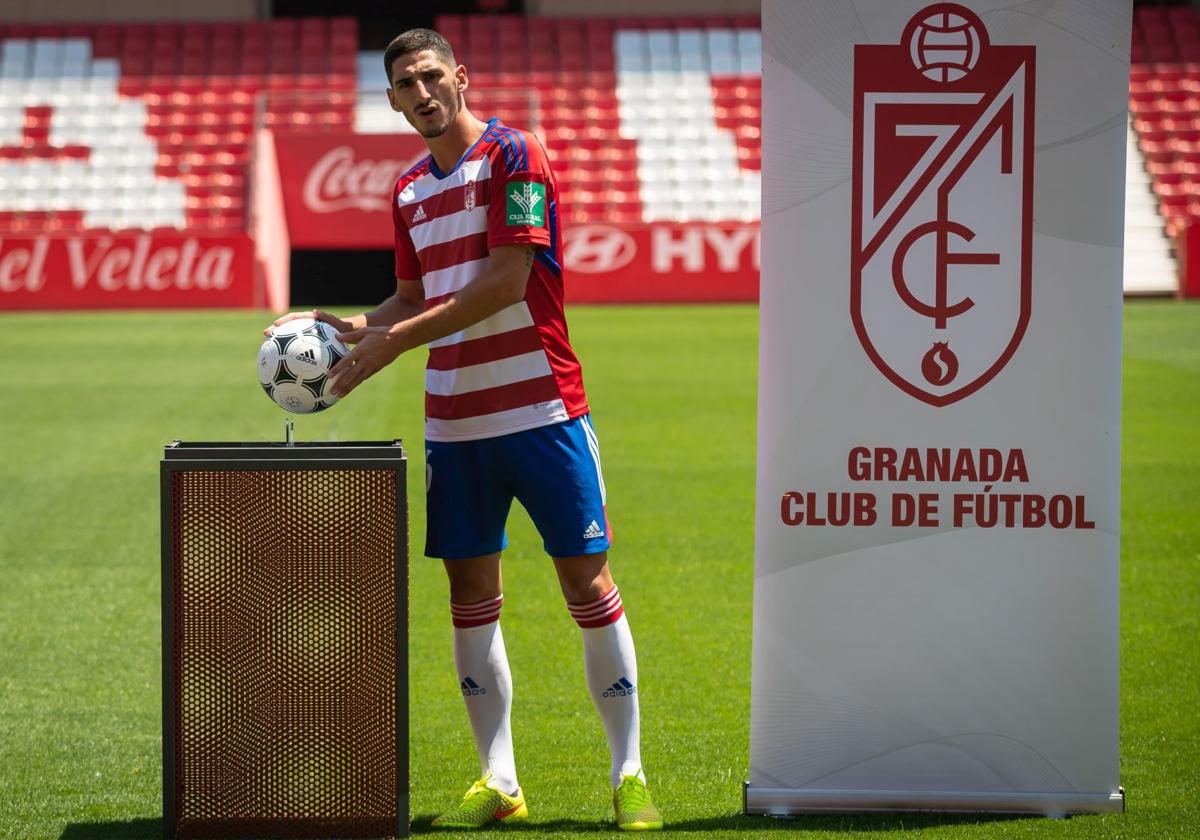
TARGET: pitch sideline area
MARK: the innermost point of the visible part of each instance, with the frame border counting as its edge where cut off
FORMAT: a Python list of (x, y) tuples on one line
[(92, 397)]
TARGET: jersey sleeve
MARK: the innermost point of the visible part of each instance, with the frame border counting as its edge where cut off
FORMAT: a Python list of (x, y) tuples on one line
[(408, 267), (521, 190)]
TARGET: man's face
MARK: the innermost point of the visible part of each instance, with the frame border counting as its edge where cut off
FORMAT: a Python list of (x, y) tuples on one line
[(427, 91)]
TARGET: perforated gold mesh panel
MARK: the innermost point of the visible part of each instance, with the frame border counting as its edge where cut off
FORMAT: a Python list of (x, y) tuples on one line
[(285, 660)]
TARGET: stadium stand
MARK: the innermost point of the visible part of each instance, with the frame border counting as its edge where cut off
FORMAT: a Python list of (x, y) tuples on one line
[(161, 137), (646, 119), (1164, 104), (150, 126)]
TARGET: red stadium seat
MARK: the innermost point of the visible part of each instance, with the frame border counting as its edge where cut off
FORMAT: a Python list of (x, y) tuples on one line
[(1169, 72), (1167, 179), (1175, 205), (1150, 132)]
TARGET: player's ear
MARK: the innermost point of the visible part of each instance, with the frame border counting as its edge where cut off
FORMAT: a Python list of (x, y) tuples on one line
[(392, 100), (460, 77)]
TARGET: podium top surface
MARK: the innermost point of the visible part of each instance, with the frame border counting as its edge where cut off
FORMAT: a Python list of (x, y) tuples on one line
[(360, 450)]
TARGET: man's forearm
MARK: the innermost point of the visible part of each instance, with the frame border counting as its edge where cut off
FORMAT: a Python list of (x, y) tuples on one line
[(500, 285), (392, 311), (483, 297)]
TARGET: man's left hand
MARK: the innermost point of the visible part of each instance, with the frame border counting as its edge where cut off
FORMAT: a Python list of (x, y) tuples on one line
[(374, 349)]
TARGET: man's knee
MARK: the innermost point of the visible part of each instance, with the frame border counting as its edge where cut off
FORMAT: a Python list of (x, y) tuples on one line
[(583, 579), (474, 579)]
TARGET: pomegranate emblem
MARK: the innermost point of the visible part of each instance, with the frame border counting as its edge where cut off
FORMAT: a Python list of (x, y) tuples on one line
[(940, 365)]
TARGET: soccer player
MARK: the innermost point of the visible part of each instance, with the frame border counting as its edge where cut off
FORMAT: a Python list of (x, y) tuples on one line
[(478, 279)]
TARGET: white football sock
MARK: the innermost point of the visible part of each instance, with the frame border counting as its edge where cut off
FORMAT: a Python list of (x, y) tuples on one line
[(611, 664), (486, 685)]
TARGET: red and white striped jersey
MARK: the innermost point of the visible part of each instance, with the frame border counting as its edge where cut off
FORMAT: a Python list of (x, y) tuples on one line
[(514, 370)]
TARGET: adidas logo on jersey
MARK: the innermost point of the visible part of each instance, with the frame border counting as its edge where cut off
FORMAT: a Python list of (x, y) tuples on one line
[(593, 532), (419, 216), (471, 688), (621, 688)]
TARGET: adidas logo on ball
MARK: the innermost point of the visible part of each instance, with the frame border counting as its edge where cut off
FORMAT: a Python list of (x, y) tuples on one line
[(294, 363)]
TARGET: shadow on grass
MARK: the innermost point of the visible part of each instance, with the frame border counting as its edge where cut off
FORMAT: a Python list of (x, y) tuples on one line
[(838, 822), (422, 824), (742, 822), (147, 829), (152, 829)]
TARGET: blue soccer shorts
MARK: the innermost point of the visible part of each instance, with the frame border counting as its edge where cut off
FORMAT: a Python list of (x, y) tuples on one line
[(553, 471)]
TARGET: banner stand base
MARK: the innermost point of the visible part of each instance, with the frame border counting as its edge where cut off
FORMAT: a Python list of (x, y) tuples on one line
[(788, 801)]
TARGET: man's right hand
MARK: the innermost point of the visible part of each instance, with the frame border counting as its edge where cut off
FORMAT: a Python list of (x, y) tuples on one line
[(317, 315)]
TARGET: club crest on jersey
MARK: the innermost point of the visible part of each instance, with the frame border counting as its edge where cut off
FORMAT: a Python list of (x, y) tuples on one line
[(469, 196), (942, 227), (525, 204)]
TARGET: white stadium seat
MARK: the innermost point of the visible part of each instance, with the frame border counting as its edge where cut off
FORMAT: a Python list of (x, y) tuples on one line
[(749, 47), (688, 167), (15, 57), (77, 51), (630, 51), (105, 68)]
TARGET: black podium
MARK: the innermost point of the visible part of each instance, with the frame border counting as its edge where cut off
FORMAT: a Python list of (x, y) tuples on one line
[(285, 639)]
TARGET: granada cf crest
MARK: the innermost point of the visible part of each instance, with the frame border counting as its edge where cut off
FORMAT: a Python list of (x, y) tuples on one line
[(943, 203)]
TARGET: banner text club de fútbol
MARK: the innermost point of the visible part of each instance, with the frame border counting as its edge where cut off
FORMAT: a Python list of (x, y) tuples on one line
[(936, 560)]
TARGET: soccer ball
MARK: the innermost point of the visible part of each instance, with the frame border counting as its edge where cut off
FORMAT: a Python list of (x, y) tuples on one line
[(294, 363)]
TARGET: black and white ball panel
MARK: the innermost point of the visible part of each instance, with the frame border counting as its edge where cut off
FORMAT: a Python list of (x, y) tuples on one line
[(294, 363)]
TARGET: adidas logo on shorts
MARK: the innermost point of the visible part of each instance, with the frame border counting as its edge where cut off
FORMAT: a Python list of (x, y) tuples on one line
[(593, 532)]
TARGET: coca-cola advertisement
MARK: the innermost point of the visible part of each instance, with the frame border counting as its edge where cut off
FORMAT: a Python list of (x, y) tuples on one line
[(127, 270), (337, 188)]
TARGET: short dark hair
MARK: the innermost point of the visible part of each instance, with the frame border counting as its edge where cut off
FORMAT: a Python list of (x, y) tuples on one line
[(415, 40)]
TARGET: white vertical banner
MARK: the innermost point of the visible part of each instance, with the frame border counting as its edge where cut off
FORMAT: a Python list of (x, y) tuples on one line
[(936, 559)]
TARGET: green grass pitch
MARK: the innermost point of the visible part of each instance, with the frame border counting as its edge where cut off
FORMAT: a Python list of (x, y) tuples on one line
[(94, 396)]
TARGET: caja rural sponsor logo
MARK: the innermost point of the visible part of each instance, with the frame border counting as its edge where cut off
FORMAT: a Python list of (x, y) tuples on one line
[(525, 204), (941, 267)]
